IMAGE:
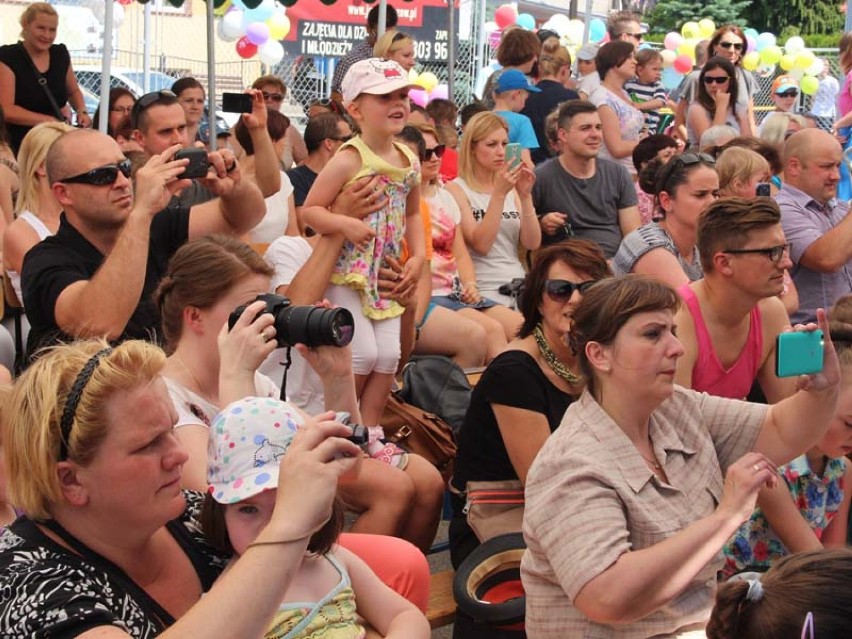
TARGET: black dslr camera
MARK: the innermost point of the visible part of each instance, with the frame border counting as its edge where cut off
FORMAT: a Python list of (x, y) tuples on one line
[(308, 325), (360, 435)]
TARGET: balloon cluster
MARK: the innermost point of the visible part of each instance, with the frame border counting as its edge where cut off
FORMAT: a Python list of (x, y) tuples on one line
[(571, 32), (257, 30), (794, 59), (679, 52), (429, 88)]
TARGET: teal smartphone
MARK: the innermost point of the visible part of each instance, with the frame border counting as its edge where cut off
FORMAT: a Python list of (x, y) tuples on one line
[(513, 154), (798, 353)]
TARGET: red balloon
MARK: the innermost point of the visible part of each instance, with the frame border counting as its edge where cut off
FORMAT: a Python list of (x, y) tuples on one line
[(124, 2), (505, 15), (245, 48), (683, 64)]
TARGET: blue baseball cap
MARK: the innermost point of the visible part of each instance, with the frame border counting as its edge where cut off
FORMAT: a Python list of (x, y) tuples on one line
[(512, 79)]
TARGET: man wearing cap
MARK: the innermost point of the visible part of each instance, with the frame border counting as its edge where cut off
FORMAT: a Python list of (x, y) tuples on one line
[(510, 95), (589, 79), (579, 194), (785, 93), (362, 50), (95, 277)]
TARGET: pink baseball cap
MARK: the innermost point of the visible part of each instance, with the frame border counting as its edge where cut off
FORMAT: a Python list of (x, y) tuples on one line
[(375, 76)]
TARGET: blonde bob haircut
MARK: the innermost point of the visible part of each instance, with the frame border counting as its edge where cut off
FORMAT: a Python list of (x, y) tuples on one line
[(477, 128), (774, 128), (32, 411), (391, 41), (736, 165), (31, 156), (29, 14)]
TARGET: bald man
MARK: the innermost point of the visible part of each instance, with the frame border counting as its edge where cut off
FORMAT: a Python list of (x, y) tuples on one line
[(817, 225), (95, 277)]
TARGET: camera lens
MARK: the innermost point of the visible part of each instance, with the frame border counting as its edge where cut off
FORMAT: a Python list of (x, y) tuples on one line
[(315, 326)]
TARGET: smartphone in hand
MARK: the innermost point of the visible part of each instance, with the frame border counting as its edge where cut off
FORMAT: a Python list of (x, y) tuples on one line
[(798, 353), (236, 102), (513, 154), (198, 163)]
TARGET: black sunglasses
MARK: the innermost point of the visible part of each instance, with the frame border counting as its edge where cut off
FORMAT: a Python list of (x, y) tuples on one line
[(327, 103), (635, 36), (709, 79), (101, 176), (774, 253), (275, 97), (738, 46), (437, 151), (792, 93), (694, 158), (562, 290), (342, 138), (150, 99)]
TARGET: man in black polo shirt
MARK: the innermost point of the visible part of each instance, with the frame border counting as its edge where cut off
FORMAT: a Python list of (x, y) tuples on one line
[(94, 278)]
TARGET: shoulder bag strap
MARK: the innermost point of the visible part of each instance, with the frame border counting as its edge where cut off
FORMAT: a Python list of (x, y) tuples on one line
[(42, 82)]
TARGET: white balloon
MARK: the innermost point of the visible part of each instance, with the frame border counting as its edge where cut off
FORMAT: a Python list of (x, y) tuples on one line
[(794, 44), (232, 25), (558, 22), (491, 26), (796, 73), (270, 52), (816, 68), (220, 31), (117, 15)]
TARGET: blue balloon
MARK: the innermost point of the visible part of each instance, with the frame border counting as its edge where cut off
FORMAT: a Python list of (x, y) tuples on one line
[(238, 4), (525, 21), (645, 45), (597, 30), (671, 78)]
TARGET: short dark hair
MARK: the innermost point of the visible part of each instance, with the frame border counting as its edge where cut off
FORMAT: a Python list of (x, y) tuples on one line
[(138, 117), (276, 123), (442, 111), (571, 108), (615, 22), (391, 17), (320, 127), (185, 83), (646, 56), (704, 98), (727, 222), (518, 47), (114, 94), (216, 533), (270, 79), (583, 256), (611, 55), (470, 110), (648, 148), (412, 135)]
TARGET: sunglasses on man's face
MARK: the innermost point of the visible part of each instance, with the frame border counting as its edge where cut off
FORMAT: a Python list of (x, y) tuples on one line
[(437, 151), (101, 176), (562, 290), (792, 93), (273, 97), (715, 79), (737, 46)]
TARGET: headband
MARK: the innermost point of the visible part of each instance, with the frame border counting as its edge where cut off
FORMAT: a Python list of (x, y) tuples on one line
[(73, 400)]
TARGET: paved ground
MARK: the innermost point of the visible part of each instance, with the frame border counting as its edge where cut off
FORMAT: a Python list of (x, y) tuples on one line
[(438, 562)]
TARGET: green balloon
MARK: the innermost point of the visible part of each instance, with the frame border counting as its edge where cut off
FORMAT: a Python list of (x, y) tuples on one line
[(287, 3), (176, 3), (252, 4)]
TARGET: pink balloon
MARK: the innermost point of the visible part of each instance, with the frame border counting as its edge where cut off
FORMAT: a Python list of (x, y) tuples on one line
[(440, 92), (606, 38), (419, 97), (494, 39), (673, 40), (683, 64), (505, 15)]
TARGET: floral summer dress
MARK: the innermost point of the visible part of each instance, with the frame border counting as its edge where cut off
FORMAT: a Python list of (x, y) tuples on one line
[(359, 269), (755, 546)]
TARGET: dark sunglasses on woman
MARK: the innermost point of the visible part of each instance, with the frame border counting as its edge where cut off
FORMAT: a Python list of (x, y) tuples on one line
[(101, 176), (562, 290), (738, 46), (709, 79), (438, 152)]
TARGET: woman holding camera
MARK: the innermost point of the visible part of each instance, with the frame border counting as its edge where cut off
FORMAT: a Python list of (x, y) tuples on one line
[(630, 501)]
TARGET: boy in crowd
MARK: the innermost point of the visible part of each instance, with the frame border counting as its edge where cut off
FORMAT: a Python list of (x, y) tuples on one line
[(646, 91)]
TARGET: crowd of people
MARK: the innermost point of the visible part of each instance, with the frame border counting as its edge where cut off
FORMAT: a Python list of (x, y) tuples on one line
[(621, 275)]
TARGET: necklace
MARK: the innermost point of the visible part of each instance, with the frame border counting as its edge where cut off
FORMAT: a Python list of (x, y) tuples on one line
[(552, 360), (198, 385)]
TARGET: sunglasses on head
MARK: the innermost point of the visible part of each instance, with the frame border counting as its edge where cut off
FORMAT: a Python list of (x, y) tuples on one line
[(437, 151), (710, 79), (737, 46), (399, 35), (274, 97), (327, 103), (694, 158), (150, 99), (790, 93), (562, 290), (101, 176)]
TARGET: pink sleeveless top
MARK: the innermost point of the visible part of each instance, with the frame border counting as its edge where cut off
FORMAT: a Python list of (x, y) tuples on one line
[(708, 375)]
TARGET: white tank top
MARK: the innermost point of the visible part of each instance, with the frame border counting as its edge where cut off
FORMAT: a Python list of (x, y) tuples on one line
[(42, 231)]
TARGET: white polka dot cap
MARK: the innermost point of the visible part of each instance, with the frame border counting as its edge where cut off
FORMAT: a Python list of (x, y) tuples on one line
[(247, 441)]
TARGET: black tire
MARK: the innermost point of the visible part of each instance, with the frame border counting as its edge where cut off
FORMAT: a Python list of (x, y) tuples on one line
[(496, 562)]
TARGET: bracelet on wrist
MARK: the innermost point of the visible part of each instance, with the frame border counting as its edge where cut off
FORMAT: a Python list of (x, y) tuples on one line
[(278, 542)]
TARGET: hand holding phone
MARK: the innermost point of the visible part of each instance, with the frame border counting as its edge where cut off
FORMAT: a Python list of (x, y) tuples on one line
[(198, 162), (513, 154), (236, 102), (763, 189)]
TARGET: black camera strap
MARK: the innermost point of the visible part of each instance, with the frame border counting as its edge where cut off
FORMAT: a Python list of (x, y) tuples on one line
[(287, 363), (42, 82)]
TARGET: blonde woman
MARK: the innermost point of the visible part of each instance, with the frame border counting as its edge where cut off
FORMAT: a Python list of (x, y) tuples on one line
[(37, 210), (8, 176), (397, 46), (778, 126), (496, 205)]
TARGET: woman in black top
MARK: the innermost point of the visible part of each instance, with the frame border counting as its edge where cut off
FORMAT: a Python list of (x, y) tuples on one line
[(24, 101)]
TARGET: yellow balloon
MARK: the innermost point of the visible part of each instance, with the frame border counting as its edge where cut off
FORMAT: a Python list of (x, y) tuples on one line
[(706, 28), (787, 61), (427, 80), (690, 30), (686, 47), (809, 85), (804, 59), (279, 26), (751, 60), (771, 55)]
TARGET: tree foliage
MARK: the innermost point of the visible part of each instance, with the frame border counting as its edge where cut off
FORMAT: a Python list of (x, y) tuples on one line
[(810, 16), (669, 15)]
